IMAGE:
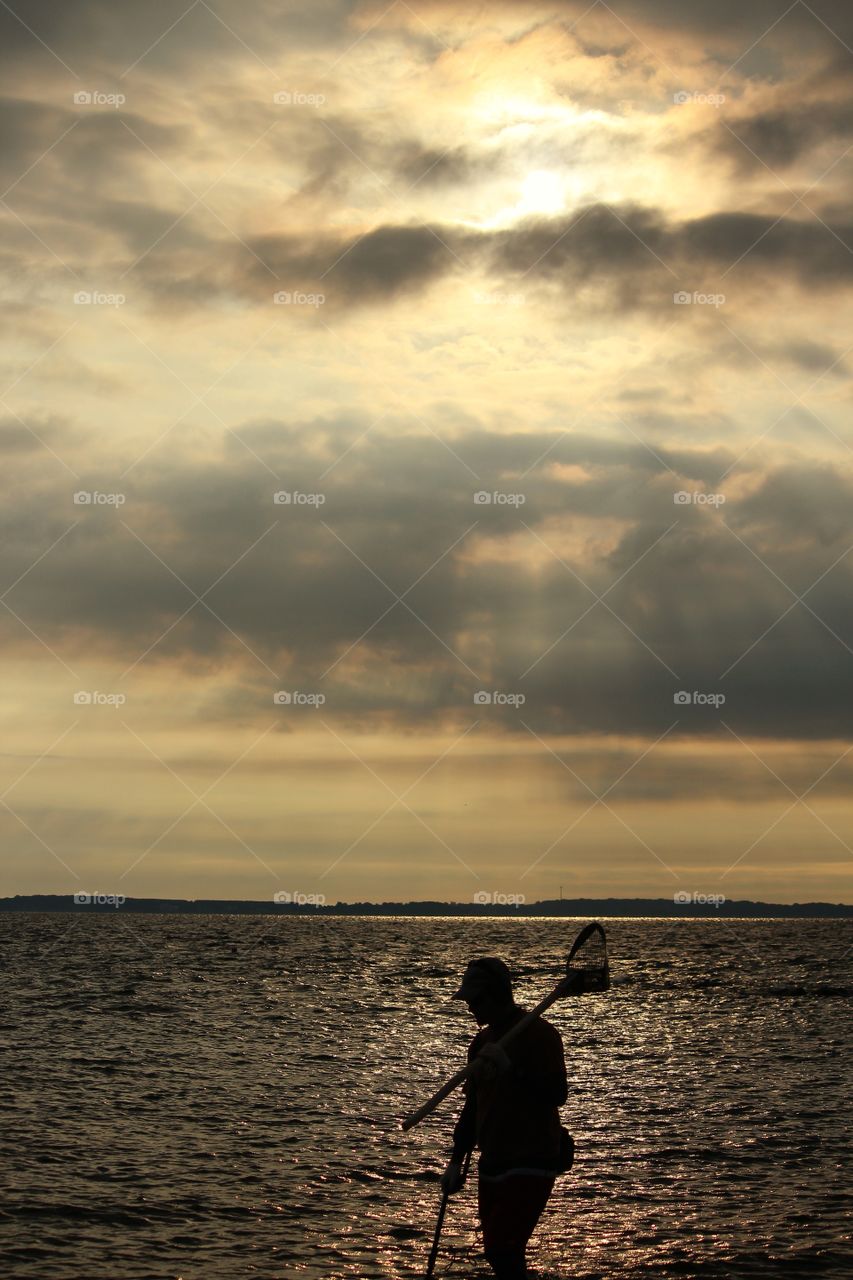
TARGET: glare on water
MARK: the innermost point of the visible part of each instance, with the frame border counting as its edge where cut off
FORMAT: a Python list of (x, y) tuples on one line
[(205, 1098)]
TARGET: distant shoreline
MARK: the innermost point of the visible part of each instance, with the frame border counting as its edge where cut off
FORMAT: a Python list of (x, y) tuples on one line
[(629, 908)]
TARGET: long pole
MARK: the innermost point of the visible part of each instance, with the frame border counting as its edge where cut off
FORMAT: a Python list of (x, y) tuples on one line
[(445, 1197)]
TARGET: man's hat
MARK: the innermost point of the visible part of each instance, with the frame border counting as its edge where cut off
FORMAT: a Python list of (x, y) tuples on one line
[(487, 974)]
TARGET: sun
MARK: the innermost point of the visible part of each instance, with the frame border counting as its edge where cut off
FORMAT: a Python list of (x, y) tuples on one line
[(542, 191), (516, 135)]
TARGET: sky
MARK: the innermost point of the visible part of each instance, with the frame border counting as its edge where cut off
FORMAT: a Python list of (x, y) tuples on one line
[(426, 449)]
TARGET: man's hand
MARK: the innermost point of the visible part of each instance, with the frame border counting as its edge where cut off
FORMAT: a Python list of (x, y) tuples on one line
[(452, 1180), (491, 1062)]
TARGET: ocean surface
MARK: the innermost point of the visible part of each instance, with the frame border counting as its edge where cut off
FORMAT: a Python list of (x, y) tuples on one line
[(215, 1097)]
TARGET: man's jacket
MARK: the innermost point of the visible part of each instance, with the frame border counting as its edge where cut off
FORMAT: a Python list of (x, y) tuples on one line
[(514, 1119)]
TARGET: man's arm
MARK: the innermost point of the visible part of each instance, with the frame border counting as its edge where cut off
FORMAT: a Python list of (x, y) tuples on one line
[(465, 1130), (464, 1137)]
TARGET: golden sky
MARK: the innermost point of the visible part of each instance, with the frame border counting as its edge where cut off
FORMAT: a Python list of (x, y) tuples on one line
[(537, 320)]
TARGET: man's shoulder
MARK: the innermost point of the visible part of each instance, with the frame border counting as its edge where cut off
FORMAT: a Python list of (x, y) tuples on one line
[(542, 1040), (540, 1031), (537, 1032)]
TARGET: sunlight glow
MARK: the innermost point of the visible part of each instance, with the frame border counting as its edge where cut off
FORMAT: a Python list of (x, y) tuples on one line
[(542, 191)]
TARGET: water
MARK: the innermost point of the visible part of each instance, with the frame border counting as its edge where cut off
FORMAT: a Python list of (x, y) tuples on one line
[(219, 1097)]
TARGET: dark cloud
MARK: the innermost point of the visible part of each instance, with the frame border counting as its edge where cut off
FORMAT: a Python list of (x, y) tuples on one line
[(728, 22), (168, 34), (92, 157), (382, 264), (419, 165), (804, 249), (777, 138), (689, 604), (162, 35), (727, 26), (813, 356), (629, 244), (592, 244), (632, 257), (668, 774), (18, 436), (801, 509)]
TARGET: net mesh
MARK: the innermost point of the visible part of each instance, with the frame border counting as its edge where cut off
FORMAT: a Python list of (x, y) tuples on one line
[(588, 959)]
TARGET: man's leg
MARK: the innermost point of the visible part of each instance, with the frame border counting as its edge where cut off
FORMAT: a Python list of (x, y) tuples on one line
[(509, 1210)]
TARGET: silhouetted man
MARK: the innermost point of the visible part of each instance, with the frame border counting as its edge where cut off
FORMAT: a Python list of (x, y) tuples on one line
[(511, 1113)]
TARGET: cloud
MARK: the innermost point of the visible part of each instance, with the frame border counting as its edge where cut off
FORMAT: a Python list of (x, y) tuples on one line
[(30, 437), (721, 24), (778, 138), (628, 245), (813, 356), (599, 597), (92, 35), (498, 597), (367, 269), (633, 257), (422, 165)]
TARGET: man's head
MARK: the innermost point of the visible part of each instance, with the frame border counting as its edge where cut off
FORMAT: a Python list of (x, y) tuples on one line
[(486, 988)]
